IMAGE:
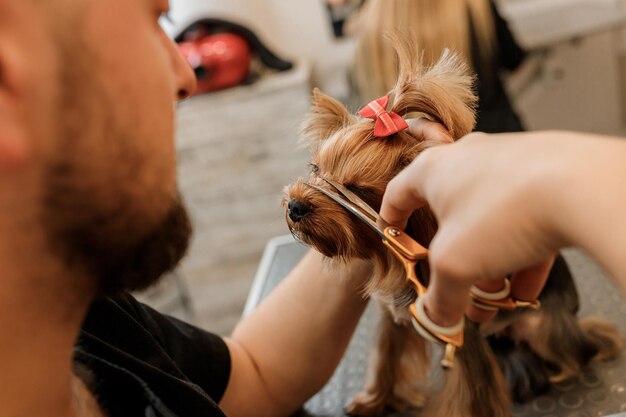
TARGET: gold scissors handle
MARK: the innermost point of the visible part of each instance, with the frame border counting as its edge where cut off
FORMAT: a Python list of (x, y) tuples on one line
[(409, 252)]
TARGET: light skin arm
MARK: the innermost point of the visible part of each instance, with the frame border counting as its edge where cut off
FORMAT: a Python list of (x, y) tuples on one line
[(288, 348), (507, 203)]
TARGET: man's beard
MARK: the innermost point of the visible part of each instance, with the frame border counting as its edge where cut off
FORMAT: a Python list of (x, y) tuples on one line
[(118, 252), (91, 212)]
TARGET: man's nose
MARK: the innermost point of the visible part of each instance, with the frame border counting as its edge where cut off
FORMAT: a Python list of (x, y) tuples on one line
[(186, 82)]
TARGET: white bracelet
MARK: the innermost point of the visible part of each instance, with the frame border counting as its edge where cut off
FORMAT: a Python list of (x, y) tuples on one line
[(493, 296), (426, 322)]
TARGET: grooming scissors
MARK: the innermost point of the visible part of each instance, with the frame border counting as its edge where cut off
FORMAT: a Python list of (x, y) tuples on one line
[(408, 252)]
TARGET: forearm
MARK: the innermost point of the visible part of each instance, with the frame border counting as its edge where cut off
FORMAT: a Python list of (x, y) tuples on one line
[(290, 345), (591, 208)]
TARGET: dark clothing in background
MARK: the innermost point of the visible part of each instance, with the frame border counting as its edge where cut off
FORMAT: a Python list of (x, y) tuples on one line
[(495, 113), (139, 362)]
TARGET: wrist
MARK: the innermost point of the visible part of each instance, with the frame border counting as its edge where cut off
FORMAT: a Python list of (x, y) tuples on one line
[(586, 191), (556, 188)]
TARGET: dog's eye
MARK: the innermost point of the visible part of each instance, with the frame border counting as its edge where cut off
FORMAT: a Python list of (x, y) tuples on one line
[(369, 195), (358, 190), (314, 168)]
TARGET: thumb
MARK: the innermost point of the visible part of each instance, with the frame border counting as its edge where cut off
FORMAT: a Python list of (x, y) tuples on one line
[(402, 197)]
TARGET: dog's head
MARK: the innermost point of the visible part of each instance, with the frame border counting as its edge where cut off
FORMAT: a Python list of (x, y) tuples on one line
[(344, 149)]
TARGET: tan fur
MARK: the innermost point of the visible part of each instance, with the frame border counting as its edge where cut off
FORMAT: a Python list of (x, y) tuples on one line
[(555, 337), (398, 367), (344, 149), (604, 335)]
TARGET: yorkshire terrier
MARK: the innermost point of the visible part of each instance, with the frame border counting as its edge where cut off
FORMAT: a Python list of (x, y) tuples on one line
[(514, 356)]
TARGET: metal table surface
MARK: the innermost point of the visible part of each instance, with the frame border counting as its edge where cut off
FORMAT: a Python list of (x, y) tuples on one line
[(600, 391)]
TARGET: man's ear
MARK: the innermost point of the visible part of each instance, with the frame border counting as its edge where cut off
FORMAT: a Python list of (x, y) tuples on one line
[(327, 116), (14, 144)]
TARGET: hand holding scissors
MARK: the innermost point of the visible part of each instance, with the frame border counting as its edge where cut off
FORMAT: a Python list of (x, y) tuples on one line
[(409, 252)]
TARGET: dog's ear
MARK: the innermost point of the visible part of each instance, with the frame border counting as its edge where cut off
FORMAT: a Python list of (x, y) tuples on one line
[(442, 91), (327, 117)]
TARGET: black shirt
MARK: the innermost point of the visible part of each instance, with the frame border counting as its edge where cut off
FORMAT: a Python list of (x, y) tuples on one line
[(139, 362), (495, 113)]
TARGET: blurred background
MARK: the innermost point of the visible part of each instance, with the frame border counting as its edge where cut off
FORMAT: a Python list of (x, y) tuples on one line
[(561, 64)]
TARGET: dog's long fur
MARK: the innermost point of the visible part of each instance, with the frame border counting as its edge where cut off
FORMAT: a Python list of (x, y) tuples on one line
[(516, 355)]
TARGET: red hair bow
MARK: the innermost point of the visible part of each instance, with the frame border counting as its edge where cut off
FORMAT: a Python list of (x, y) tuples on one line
[(387, 123)]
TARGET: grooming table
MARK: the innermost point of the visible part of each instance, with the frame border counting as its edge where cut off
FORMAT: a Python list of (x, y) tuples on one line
[(601, 391)]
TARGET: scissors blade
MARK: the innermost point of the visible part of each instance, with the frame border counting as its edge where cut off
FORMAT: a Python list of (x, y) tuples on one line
[(352, 209), (355, 199)]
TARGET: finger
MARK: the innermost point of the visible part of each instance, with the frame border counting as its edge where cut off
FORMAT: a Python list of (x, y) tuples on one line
[(402, 197), (446, 299), (527, 284), (424, 129), (479, 315)]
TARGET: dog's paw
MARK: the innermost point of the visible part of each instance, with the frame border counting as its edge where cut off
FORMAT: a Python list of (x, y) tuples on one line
[(370, 404), (367, 404)]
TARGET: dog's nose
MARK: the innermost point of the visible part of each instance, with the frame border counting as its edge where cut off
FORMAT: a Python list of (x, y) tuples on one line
[(298, 210)]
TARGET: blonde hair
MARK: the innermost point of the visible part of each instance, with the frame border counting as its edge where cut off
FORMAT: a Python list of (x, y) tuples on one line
[(431, 25)]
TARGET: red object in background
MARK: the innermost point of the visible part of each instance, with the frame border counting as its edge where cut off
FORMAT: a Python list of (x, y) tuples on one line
[(220, 60)]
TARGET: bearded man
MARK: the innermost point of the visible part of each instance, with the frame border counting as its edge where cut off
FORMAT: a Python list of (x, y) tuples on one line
[(90, 210)]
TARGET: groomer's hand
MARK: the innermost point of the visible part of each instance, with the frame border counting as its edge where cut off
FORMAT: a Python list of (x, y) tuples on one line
[(488, 196)]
